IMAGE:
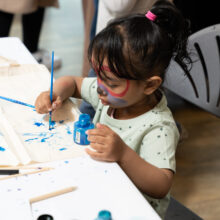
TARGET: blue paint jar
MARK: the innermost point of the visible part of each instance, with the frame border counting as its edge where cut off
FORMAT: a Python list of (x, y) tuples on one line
[(80, 127)]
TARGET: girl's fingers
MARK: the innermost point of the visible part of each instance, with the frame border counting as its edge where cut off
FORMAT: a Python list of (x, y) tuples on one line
[(57, 103), (94, 154), (97, 147), (96, 139), (101, 130), (42, 106)]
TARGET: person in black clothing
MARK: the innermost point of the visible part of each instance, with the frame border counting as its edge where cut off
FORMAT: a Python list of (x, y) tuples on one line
[(31, 24)]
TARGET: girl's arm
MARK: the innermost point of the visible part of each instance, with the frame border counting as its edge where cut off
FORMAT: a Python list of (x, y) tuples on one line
[(151, 180), (108, 146), (68, 86), (63, 88)]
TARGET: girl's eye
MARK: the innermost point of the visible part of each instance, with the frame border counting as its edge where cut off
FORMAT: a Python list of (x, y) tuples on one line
[(112, 86)]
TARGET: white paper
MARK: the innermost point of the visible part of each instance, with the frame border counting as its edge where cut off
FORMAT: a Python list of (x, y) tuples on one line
[(27, 132), (14, 208)]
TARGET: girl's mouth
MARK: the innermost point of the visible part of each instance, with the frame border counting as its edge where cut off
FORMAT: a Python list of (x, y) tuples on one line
[(104, 102)]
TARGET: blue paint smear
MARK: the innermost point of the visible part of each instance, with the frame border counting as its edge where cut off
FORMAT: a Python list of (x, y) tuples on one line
[(53, 123), (66, 161), (38, 124), (2, 148), (68, 130), (61, 122), (31, 139), (42, 137), (61, 149), (51, 128)]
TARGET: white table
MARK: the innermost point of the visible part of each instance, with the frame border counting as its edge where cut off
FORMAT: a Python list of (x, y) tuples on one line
[(100, 185)]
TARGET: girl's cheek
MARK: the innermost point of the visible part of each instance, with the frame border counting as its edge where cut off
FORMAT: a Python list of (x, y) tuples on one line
[(116, 101)]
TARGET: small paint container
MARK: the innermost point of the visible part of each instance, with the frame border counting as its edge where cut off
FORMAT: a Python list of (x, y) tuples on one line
[(104, 215), (80, 127)]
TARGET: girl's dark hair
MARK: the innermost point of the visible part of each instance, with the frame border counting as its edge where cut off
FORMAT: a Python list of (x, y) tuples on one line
[(138, 48)]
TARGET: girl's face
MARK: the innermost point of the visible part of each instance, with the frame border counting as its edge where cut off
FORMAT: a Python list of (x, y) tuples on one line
[(118, 92)]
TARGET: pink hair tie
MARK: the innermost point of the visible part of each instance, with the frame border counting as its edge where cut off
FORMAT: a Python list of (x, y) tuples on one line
[(150, 16)]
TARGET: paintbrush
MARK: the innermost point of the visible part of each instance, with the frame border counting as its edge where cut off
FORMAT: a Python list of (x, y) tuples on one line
[(51, 91), (16, 101)]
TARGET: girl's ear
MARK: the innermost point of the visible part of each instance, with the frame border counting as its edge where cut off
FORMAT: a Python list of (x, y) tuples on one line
[(152, 84)]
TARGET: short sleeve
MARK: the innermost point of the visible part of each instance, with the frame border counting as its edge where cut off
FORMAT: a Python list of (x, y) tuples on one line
[(158, 147), (89, 91)]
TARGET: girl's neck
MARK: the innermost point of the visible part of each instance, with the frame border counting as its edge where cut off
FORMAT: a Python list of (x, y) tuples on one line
[(135, 110)]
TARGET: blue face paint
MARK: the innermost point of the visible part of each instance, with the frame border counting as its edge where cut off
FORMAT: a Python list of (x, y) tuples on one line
[(102, 90)]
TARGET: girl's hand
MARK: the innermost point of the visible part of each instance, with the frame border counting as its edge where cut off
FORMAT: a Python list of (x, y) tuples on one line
[(107, 144), (43, 103)]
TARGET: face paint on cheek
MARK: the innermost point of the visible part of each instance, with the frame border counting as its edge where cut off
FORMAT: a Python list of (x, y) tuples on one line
[(116, 101), (111, 96)]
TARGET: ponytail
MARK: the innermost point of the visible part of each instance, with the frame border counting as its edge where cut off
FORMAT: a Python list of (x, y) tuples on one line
[(170, 19)]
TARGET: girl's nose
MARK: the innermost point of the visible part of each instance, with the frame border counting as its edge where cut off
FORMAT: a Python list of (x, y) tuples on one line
[(101, 91)]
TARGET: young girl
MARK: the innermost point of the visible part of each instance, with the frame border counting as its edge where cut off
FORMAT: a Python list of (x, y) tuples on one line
[(134, 127)]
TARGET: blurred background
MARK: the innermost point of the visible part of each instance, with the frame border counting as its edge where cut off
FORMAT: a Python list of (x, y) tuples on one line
[(62, 32)]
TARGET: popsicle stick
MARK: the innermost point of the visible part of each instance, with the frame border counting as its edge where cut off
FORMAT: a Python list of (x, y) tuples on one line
[(52, 194)]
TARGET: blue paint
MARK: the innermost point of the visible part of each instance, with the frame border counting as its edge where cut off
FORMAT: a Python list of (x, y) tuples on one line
[(31, 139), (44, 139), (38, 124), (61, 149), (68, 130), (28, 134), (41, 137), (43, 134), (61, 121), (53, 123), (66, 161), (2, 148)]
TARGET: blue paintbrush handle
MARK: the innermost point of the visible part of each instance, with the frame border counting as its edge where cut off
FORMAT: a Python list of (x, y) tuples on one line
[(51, 90), (17, 102)]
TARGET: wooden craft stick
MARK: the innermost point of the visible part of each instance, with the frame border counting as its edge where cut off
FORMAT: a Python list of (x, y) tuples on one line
[(52, 194), (27, 173), (11, 62)]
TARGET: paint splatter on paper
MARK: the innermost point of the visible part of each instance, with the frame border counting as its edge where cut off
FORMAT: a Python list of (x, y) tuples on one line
[(31, 128)]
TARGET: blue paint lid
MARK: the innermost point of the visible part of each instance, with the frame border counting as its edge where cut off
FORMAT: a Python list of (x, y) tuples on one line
[(84, 120), (104, 215)]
